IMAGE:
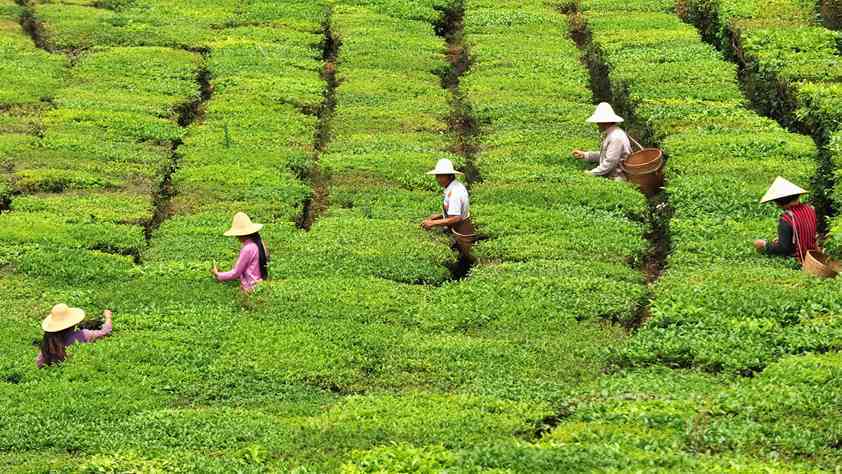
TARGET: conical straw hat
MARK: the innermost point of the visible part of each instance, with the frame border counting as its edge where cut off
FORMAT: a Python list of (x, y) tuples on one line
[(604, 113), (444, 166), (62, 317), (242, 225), (782, 188)]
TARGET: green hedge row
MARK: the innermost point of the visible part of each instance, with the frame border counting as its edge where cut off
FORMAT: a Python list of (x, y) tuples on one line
[(253, 141), (658, 420), (792, 69), (17, 54), (721, 159), (530, 98), (189, 24), (389, 126), (86, 179), (719, 307)]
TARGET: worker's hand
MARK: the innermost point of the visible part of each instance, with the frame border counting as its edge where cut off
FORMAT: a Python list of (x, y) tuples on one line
[(214, 270), (588, 173), (579, 154), (760, 245), (107, 314), (427, 224)]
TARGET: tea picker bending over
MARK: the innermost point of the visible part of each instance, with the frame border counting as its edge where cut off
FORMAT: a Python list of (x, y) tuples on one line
[(60, 331), (253, 263), (456, 208), (615, 145), (796, 225)]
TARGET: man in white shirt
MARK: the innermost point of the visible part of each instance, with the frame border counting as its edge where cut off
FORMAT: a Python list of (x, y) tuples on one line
[(615, 145), (456, 207)]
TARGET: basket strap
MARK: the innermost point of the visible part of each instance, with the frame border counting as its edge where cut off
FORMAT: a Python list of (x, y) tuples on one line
[(797, 242), (635, 142)]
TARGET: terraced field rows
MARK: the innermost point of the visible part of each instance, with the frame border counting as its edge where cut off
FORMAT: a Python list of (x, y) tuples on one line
[(790, 68), (718, 307), (364, 352), (722, 156), (345, 333)]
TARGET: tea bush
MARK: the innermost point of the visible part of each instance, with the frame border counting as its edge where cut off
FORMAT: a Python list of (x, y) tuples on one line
[(791, 67), (716, 214), (362, 353)]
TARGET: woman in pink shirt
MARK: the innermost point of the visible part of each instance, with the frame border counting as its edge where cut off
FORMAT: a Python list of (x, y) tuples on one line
[(60, 331), (253, 264)]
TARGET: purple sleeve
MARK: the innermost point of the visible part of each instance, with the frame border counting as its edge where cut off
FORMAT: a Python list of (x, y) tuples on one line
[(39, 361), (246, 255), (91, 336)]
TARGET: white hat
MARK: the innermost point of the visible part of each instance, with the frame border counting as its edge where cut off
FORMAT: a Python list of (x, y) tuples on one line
[(604, 113), (782, 188), (62, 317), (444, 166), (242, 225)]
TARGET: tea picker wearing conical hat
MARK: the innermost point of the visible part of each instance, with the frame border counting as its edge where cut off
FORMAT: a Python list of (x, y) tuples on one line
[(456, 207), (615, 145), (796, 225), (60, 331), (253, 263)]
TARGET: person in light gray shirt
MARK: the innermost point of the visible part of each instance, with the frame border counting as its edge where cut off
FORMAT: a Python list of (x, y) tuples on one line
[(615, 145)]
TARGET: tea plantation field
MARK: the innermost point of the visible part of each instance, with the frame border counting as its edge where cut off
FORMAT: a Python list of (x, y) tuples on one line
[(598, 331)]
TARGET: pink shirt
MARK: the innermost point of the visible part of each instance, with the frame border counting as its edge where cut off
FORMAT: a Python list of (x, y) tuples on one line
[(83, 336), (247, 268)]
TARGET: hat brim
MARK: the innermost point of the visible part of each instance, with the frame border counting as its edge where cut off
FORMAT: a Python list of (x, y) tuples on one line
[(253, 229), (775, 197), (75, 317), (437, 172), (611, 119)]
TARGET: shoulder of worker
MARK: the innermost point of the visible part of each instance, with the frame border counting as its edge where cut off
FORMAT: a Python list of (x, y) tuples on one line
[(249, 248), (457, 187), (617, 133)]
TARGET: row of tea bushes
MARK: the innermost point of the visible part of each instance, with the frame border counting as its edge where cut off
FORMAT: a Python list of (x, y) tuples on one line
[(252, 143), (18, 53), (719, 311), (23, 97), (535, 205), (87, 180), (792, 69), (170, 316), (387, 130), (722, 157), (317, 363), (531, 100), (791, 62), (187, 24)]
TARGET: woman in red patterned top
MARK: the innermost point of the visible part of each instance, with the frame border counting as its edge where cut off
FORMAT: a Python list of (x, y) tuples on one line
[(796, 226)]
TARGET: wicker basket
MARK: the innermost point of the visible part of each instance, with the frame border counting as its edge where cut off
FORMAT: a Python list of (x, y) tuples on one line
[(819, 264)]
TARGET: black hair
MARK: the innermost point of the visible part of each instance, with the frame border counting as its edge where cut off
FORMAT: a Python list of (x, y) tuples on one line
[(786, 200), (52, 346), (261, 251)]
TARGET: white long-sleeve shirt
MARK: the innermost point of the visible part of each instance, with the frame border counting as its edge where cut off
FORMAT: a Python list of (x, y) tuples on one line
[(615, 149), (456, 200)]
